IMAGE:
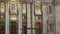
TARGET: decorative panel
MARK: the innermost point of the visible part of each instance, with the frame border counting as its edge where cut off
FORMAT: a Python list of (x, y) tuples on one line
[(24, 8), (37, 8), (13, 7), (2, 10)]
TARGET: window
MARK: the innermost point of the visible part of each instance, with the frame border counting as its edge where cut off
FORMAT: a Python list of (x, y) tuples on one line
[(13, 17), (24, 8), (2, 7), (37, 8)]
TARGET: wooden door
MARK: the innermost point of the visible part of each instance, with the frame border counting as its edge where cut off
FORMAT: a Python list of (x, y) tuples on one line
[(37, 25), (13, 27), (2, 29)]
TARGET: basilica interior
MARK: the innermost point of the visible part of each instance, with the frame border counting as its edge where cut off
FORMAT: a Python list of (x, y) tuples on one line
[(29, 16)]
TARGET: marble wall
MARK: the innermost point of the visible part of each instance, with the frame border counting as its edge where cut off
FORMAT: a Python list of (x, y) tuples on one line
[(57, 14)]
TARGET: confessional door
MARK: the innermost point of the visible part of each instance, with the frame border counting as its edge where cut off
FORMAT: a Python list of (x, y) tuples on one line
[(13, 28), (37, 26)]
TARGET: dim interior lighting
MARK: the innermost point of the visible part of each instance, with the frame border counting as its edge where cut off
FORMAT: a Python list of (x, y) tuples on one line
[(2, 16), (37, 17), (23, 17)]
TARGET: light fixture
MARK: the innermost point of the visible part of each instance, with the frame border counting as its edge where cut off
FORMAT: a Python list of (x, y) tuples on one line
[(23, 17), (37, 17), (2, 16)]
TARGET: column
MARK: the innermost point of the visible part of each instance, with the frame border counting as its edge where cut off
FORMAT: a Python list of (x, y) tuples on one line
[(20, 18), (44, 9), (33, 19), (7, 19), (28, 19), (54, 21)]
